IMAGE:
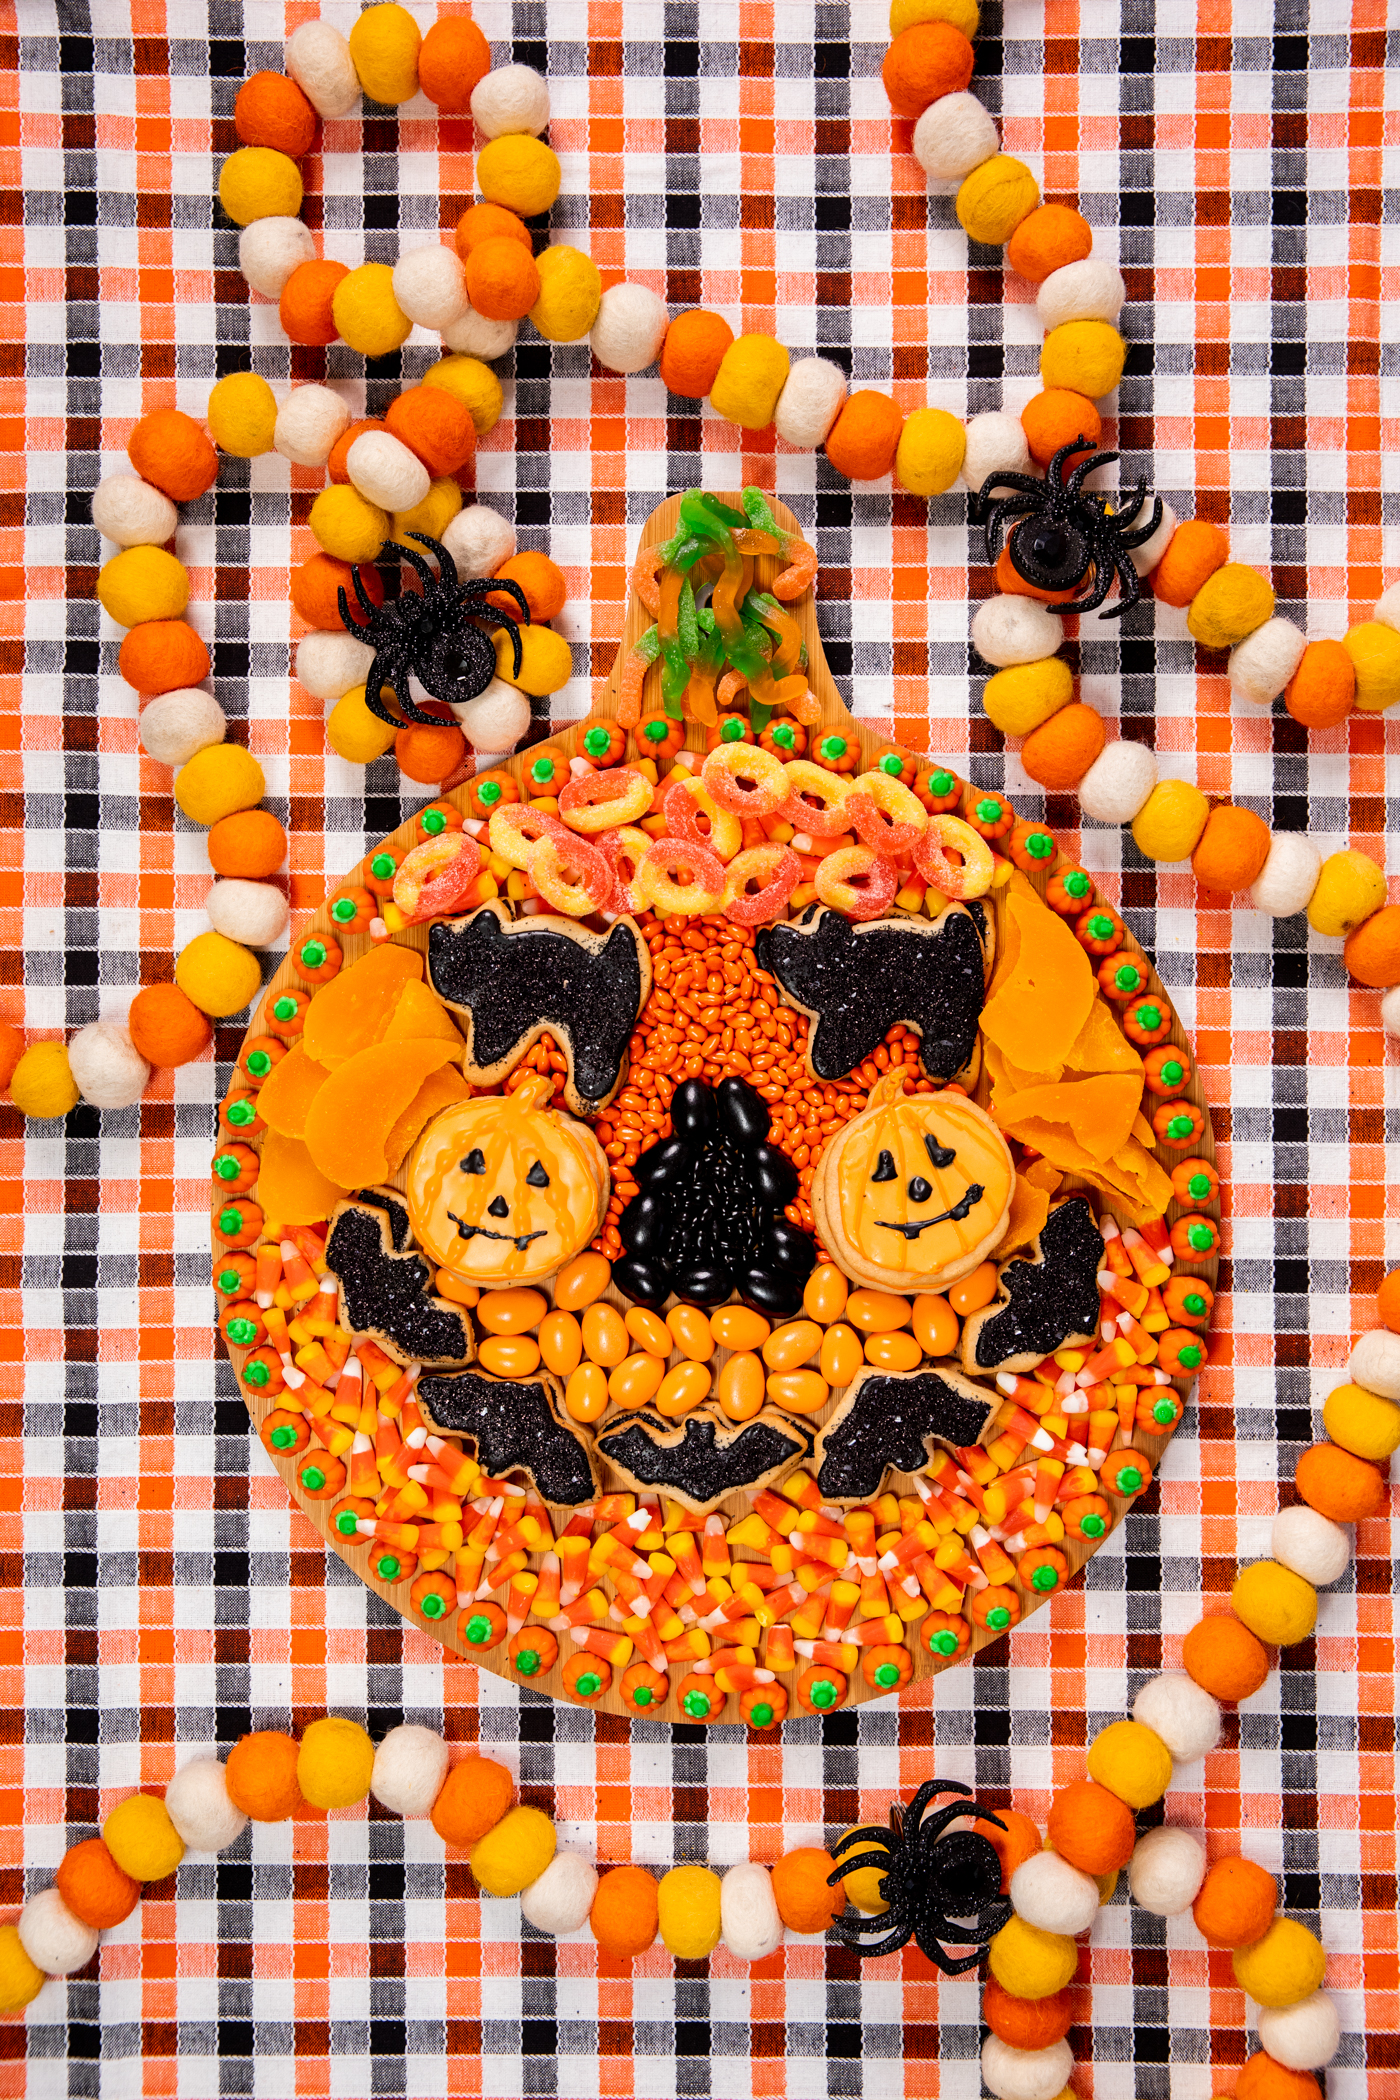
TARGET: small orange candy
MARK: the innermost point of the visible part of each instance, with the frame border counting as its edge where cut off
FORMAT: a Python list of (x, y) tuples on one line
[(805, 1903), (693, 352), (435, 426), (624, 1914), (1224, 1658), (338, 465), (1049, 238), (160, 656), (972, 1292), (251, 845), (474, 1797), (168, 449), (1232, 849), (166, 1027), (428, 754), (11, 1050), (502, 281), (272, 111), (1061, 751), (539, 578), (864, 439), (1091, 1828), (261, 1777), (490, 222), (1372, 951), (1057, 416), (316, 582), (453, 58), (1236, 1903), (925, 61), (1196, 550), (1026, 2023), (1322, 691), (305, 306)]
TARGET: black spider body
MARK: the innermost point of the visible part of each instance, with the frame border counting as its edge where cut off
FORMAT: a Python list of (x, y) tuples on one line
[(938, 1887), (431, 635), (1067, 537)]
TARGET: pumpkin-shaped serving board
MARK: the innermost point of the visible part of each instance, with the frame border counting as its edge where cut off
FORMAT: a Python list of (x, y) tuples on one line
[(834, 717)]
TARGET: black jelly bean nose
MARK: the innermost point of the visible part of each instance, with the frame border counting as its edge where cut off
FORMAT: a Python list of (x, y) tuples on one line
[(498, 1208), (940, 1155), (884, 1168), (474, 1163), (920, 1190)]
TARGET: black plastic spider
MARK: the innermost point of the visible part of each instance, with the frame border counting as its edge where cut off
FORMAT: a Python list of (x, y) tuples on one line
[(932, 1881), (1069, 538), (429, 635)]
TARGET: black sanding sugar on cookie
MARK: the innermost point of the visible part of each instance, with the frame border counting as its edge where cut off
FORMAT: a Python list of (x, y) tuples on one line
[(385, 1284), (890, 1419), (703, 1460), (1047, 1300), (517, 1427), (857, 981), (396, 1210)]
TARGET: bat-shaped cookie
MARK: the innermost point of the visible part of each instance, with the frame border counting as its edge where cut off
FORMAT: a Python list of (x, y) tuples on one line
[(385, 1284), (702, 1458), (1044, 1299), (892, 1419), (517, 1425)]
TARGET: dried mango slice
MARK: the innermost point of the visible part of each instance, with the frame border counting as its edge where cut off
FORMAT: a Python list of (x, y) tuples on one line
[(421, 1017), (1135, 1184), (352, 1012), (286, 1095), (439, 1091), (351, 1118), (1030, 1207), (1098, 1112), (1042, 990), (291, 1187)]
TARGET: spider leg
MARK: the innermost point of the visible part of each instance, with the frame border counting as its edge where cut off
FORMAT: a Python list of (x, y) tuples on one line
[(900, 1937), (367, 604), (951, 1965), (1005, 481), (366, 630), (1104, 566), (997, 514), (420, 568), (1085, 468), (876, 1831), (397, 677), (932, 1827), (1130, 590), (446, 565), (1143, 533), (501, 619), (1054, 473), (928, 1792), (383, 671), (482, 587), (1125, 515)]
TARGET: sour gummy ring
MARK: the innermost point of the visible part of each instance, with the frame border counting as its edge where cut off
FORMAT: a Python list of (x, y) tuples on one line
[(594, 802), (840, 872), (516, 830), (827, 817), (571, 875), (728, 766), (436, 877), (683, 807), (656, 877), (623, 849), (887, 815), (973, 878), (777, 871)]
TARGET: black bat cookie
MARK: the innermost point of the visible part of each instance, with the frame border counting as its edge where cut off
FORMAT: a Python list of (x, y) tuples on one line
[(516, 1426), (857, 981), (385, 1283), (1044, 1299), (893, 1418), (509, 981), (703, 1458)]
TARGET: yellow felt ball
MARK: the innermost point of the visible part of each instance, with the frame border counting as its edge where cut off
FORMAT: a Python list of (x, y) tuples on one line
[(335, 1761), (515, 1853), (932, 445), (20, 1979), (545, 661), (862, 1884), (384, 52), (1287, 1965), (217, 781), (143, 583), (258, 183), (1169, 824), (687, 1907), (142, 1839), (521, 173), (242, 415), (961, 13), (472, 383), (218, 975), (1023, 696), (1375, 654), (571, 290), (42, 1084), (355, 733), (1087, 357), (1230, 605), (1030, 1963), (1275, 1604), (347, 525), (366, 312), (1132, 1762), (995, 198), (1362, 1423), (752, 373), (1349, 888), (432, 516)]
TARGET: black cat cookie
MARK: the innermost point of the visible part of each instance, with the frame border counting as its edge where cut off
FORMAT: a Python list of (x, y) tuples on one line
[(1046, 1299), (515, 1425), (385, 1284), (892, 1421), (700, 1460)]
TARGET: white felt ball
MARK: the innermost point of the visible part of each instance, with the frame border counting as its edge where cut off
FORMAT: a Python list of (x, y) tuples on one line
[(630, 328), (173, 726), (108, 1069), (1390, 1011), (410, 1766), (1302, 2037), (1375, 1363), (310, 423), (512, 99), (996, 444), (197, 1803), (318, 60), (479, 539), (1289, 876), (1146, 557), (130, 513), (1387, 608), (809, 403), (476, 336), (52, 1937), (563, 1896), (328, 665), (1047, 1891), (1015, 631), (748, 1912), (953, 136), (252, 912), (431, 286), (1166, 1871), (1082, 291), (1261, 665), (1118, 782), (385, 472), (1181, 1712), (270, 249), (1025, 2074), (1302, 1538), (497, 719)]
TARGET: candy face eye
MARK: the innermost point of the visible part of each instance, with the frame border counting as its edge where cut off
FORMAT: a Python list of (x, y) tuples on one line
[(939, 1155), (474, 1163), (884, 1168)]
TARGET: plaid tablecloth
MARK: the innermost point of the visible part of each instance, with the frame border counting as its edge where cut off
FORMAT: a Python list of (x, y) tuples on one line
[(159, 1596)]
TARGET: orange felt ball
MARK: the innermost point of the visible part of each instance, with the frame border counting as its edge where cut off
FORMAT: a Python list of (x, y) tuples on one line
[(166, 1026), (1322, 691), (428, 754), (1019, 1842), (1334, 1482), (864, 439), (261, 1777), (1091, 1828), (694, 351), (925, 61), (1263, 2078), (337, 466), (1388, 1301), (249, 845), (1047, 239), (11, 1050), (474, 1797), (1232, 849), (1026, 2023), (305, 306), (539, 578), (1194, 553), (1057, 417), (502, 281), (316, 583), (624, 1913), (1235, 1904), (1010, 580), (1372, 951), (805, 1903), (161, 656), (168, 449), (491, 222), (1061, 751), (452, 58), (272, 111), (94, 1886), (436, 427), (1224, 1658)]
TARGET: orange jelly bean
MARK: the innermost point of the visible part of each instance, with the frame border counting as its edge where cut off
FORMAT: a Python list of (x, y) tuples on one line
[(684, 1386), (893, 1352), (824, 1297), (737, 1327), (604, 1336), (511, 1312), (580, 1281), (510, 1355), (648, 1332), (877, 1312), (692, 1332), (802, 1392), (586, 1394), (635, 1379), (561, 1343), (975, 1290), (935, 1324), (741, 1386), (789, 1346), (842, 1355)]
